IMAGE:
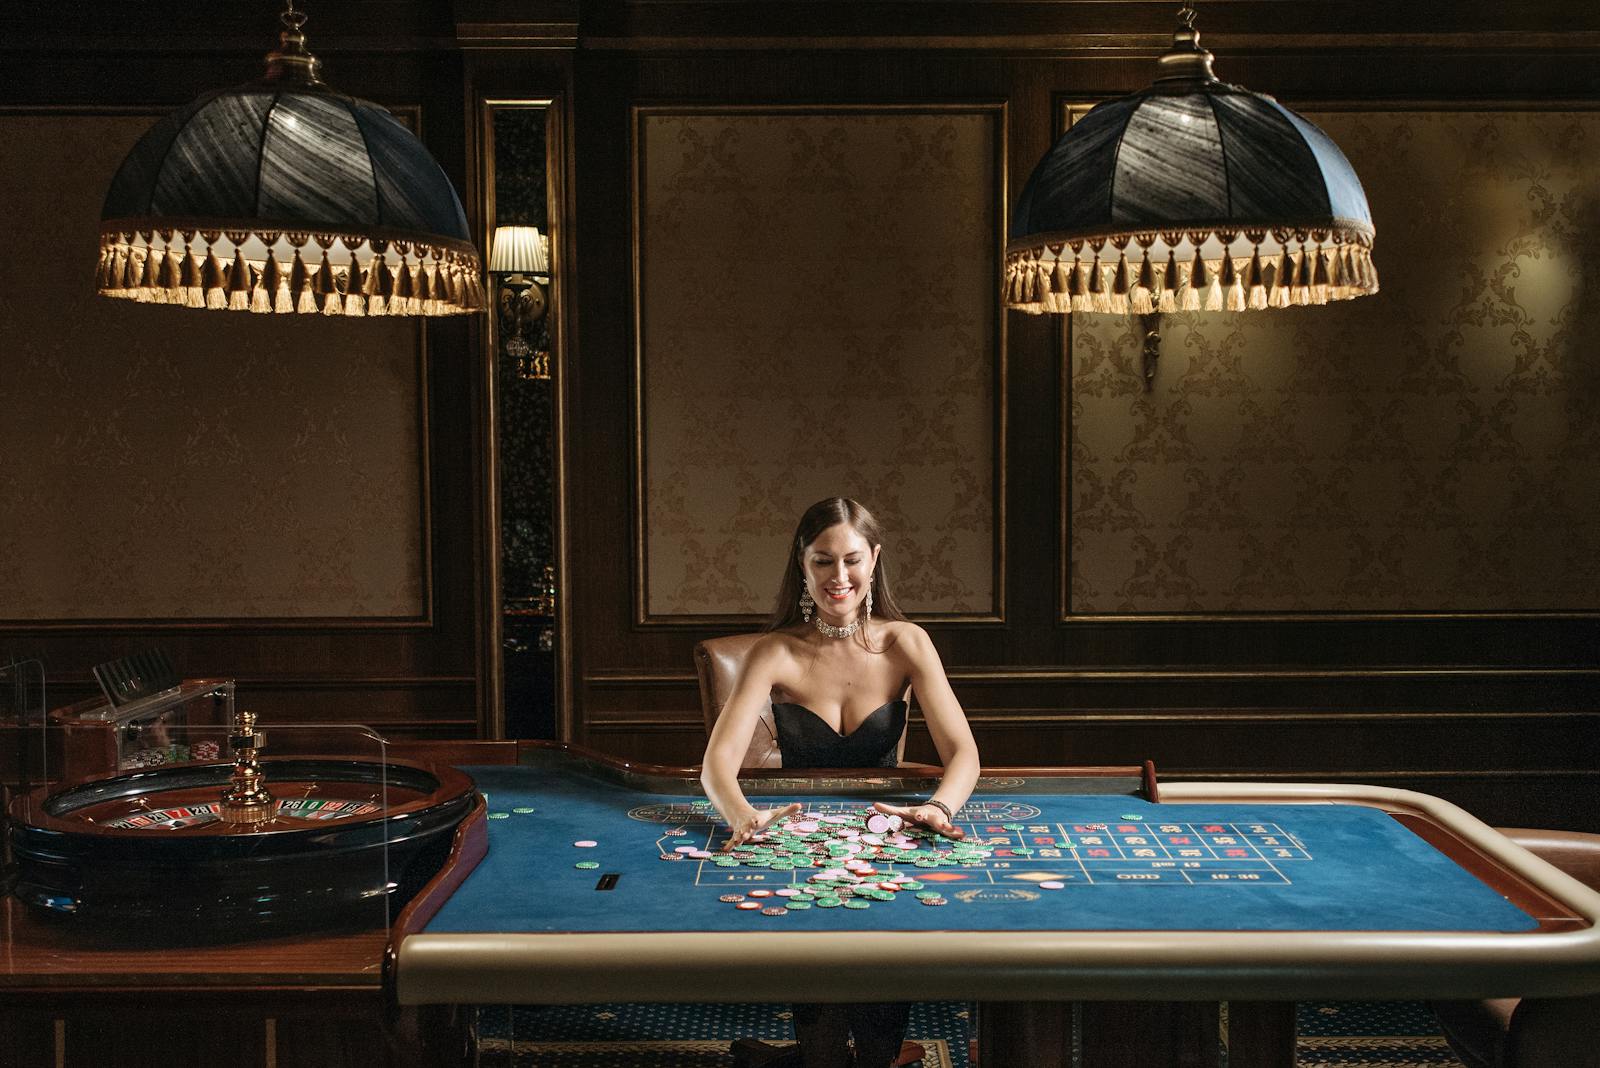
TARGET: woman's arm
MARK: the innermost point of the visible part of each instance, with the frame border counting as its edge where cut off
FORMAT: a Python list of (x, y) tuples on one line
[(952, 737), (730, 739)]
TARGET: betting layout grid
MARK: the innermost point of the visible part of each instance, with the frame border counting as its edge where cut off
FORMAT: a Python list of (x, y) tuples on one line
[(1356, 867), (836, 854)]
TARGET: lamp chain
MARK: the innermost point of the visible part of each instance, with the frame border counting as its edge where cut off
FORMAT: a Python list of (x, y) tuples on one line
[(1186, 15)]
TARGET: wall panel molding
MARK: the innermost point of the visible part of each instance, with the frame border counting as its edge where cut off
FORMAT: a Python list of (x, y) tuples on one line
[(195, 434), (411, 669), (792, 341), (1375, 460)]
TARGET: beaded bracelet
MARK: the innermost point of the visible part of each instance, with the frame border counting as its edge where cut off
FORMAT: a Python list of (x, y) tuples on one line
[(942, 807)]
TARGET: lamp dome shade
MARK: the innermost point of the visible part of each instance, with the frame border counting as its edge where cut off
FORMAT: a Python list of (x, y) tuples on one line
[(327, 202), (1191, 193)]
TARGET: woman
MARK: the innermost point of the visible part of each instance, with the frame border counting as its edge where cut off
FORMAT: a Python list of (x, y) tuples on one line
[(836, 660)]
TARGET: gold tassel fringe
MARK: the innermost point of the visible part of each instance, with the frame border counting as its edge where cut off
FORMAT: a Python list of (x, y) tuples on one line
[(168, 267), (1308, 268)]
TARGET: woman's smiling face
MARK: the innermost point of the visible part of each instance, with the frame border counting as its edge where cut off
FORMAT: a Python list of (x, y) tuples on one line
[(838, 570)]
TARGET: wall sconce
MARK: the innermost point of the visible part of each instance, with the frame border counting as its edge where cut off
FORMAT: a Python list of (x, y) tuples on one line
[(520, 257)]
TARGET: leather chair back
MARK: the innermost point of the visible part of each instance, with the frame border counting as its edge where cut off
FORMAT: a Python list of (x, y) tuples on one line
[(1531, 1032), (1575, 852), (718, 662)]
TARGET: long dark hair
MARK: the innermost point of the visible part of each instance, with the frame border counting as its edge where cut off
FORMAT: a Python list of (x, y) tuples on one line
[(819, 517)]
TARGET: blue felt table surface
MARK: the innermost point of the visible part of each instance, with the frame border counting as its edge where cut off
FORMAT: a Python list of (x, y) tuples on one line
[(1206, 867)]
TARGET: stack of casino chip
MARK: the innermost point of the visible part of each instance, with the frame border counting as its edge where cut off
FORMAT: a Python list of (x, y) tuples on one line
[(158, 756), (850, 860), (148, 758)]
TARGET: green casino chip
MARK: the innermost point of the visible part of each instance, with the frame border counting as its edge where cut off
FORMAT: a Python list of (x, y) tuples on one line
[(586, 864), (499, 815), (796, 903), (911, 884), (523, 811), (1012, 826), (929, 893), (857, 903), (828, 902)]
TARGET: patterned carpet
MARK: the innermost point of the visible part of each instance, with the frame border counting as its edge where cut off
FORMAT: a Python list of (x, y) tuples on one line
[(1371, 1034), (1352, 1034)]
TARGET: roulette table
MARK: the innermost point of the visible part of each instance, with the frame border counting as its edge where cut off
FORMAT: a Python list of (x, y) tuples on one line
[(1298, 892), (1088, 892)]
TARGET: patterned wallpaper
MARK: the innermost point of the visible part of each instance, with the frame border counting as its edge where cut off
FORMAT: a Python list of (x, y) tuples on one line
[(526, 419), (1431, 448), (818, 302), (163, 464)]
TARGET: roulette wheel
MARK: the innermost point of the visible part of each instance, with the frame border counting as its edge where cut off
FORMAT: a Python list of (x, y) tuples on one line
[(266, 844)]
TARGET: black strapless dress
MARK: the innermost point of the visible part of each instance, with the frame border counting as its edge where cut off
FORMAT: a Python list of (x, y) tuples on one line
[(806, 740)]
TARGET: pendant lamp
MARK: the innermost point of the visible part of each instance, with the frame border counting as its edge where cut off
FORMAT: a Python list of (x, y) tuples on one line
[(284, 195), (1191, 194)]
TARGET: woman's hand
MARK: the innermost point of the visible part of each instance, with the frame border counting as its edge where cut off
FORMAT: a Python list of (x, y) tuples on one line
[(929, 816), (755, 821)]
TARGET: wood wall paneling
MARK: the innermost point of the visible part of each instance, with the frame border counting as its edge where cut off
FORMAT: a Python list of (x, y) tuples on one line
[(424, 658)]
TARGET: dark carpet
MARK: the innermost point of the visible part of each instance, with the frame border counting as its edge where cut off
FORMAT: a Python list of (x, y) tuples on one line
[(1353, 1034)]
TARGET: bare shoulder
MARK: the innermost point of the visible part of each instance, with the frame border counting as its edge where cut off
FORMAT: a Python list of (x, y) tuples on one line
[(906, 640), (774, 650)]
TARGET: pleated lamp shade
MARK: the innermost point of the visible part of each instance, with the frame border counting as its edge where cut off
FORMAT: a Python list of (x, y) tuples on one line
[(1191, 194), (286, 196), (520, 250)]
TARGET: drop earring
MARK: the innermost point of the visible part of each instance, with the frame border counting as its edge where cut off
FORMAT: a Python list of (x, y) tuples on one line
[(806, 603), (867, 611)]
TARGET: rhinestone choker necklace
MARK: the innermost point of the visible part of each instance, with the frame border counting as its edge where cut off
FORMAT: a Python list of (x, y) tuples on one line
[(828, 630)]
